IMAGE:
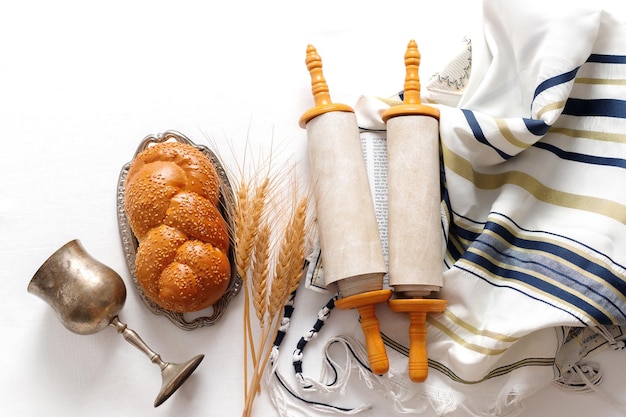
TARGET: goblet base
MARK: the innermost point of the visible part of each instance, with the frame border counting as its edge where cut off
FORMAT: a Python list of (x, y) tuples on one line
[(174, 375)]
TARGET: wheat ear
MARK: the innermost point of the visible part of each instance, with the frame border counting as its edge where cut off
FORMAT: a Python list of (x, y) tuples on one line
[(299, 228), (260, 272), (244, 234)]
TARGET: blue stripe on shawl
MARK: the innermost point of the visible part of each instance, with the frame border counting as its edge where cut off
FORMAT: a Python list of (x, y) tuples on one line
[(511, 250), (536, 127), (570, 75), (561, 294), (452, 250), (469, 271), (578, 260), (554, 81), (458, 235), (478, 133), (558, 271), (580, 157), (466, 234), (607, 59), (595, 107)]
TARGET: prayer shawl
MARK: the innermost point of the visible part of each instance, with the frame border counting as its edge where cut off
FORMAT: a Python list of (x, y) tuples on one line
[(533, 151)]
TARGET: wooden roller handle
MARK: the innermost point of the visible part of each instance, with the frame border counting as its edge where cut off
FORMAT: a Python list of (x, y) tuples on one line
[(417, 309), (418, 356), (365, 303), (376, 352)]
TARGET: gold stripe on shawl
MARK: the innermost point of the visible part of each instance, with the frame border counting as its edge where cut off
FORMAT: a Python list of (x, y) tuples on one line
[(540, 191)]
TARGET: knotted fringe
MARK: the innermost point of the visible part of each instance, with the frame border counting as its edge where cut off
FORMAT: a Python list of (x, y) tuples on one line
[(586, 377), (349, 355), (582, 377), (282, 394), (298, 354), (292, 401), (335, 374)]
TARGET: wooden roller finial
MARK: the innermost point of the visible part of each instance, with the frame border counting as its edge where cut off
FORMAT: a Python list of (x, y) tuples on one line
[(319, 88), (412, 104), (412, 87)]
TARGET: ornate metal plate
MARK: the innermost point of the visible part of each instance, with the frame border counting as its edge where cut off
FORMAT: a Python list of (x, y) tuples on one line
[(130, 244)]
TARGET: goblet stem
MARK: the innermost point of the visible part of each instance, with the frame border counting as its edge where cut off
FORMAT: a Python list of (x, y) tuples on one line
[(133, 338), (173, 375)]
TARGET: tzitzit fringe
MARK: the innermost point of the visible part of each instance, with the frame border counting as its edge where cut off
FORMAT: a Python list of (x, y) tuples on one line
[(282, 393), (298, 354), (587, 376)]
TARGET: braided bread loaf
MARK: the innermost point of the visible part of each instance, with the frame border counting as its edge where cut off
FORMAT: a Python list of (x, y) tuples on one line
[(171, 199)]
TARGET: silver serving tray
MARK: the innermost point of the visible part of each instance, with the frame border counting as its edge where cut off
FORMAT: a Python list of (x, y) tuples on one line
[(211, 315)]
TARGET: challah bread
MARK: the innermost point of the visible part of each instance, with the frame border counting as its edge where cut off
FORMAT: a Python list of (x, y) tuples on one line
[(171, 199)]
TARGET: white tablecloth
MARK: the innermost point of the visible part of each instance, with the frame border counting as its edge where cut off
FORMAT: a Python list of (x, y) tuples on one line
[(82, 84)]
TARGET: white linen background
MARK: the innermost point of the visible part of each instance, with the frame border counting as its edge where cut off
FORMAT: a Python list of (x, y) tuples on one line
[(81, 85)]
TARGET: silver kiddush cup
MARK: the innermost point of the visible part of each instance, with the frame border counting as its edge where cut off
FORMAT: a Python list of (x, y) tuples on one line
[(87, 297)]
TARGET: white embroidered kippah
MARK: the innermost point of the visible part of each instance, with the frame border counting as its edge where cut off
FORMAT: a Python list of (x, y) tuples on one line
[(447, 86)]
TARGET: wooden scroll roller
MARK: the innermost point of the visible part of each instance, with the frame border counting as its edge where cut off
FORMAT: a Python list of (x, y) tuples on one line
[(349, 239), (414, 223)]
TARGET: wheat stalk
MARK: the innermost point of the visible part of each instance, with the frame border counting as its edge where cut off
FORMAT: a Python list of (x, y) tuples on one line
[(286, 277), (270, 270), (270, 256), (243, 242)]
